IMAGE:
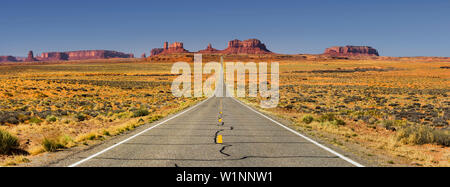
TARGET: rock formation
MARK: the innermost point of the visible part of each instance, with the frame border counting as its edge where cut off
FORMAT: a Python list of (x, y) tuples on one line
[(176, 47), (209, 50), (156, 51), (83, 55), (30, 57), (54, 56), (251, 46), (8, 59), (351, 51), (143, 55)]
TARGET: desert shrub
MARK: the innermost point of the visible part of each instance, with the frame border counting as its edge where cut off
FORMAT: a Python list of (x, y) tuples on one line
[(106, 133), (90, 136), (392, 124), (123, 115), (35, 120), (338, 122), (372, 121), (51, 118), (41, 95), (388, 124), (442, 137), (307, 119), (155, 118), (140, 113), (332, 119), (80, 117), (327, 117), (22, 118), (53, 144), (8, 142), (12, 120), (421, 134)]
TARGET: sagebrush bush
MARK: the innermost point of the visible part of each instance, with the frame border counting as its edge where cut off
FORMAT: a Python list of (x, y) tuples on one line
[(80, 117), (421, 134), (442, 137), (338, 122), (307, 119), (332, 119), (35, 120), (51, 118), (388, 124), (392, 124), (8, 142), (327, 117), (140, 113)]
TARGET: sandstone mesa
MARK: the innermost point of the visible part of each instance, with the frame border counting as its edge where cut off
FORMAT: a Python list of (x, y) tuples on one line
[(250, 46), (351, 51)]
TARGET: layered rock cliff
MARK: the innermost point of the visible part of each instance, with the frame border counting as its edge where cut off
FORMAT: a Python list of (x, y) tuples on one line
[(83, 55), (209, 50), (351, 51), (8, 59), (251, 46), (30, 57), (176, 47)]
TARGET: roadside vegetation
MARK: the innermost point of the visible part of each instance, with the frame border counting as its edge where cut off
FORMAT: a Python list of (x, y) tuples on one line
[(52, 107), (8, 142), (389, 107)]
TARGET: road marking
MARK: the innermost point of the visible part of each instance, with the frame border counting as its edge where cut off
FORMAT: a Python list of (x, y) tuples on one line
[(219, 139), (303, 136), (134, 136)]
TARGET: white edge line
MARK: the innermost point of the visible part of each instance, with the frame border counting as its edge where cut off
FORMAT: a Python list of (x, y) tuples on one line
[(305, 137), (134, 136)]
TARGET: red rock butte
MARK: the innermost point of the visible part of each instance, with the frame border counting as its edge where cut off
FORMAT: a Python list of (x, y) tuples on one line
[(8, 59), (251, 46), (82, 55), (176, 47), (209, 50), (70, 55), (30, 57), (351, 51)]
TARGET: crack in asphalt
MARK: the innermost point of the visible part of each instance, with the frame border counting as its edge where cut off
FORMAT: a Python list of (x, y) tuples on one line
[(222, 123), (223, 149), (215, 136), (226, 145)]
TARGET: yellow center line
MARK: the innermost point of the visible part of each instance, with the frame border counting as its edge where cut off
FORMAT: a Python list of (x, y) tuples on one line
[(219, 139)]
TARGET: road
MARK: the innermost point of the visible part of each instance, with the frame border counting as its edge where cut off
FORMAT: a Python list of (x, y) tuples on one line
[(190, 139)]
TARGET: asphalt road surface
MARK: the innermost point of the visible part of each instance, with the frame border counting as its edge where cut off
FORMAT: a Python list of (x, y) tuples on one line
[(189, 139)]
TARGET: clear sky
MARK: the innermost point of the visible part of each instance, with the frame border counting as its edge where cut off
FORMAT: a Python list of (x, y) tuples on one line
[(394, 27)]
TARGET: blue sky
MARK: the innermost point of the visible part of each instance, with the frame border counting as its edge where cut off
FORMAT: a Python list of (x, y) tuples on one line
[(395, 28)]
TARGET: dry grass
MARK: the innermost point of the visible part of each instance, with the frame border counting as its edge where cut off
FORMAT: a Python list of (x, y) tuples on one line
[(8, 142), (390, 106), (396, 106), (50, 107)]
